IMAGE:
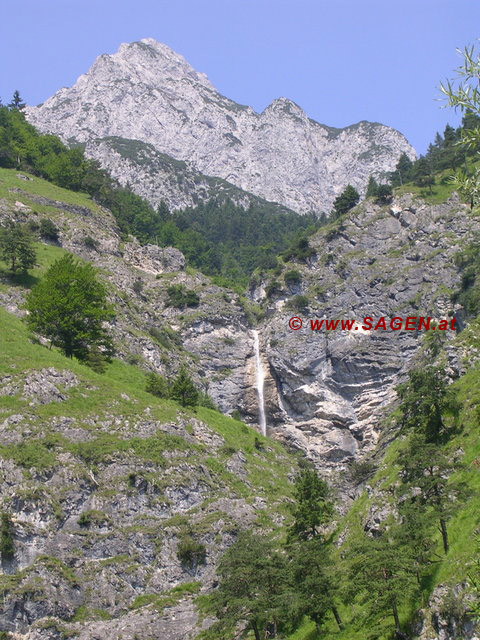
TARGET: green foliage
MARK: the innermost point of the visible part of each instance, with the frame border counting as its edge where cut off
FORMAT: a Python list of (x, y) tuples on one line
[(348, 199), (372, 188), (298, 303), (292, 277), (300, 250), (468, 294), (380, 577), (426, 467), (191, 553), (316, 579), (359, 471), (16, 248), (48, 230), (383, 193), (425, 401), (183, 390), (17, 102), (69, 306), (157, 385), (90, 243), (313, 508), (255, 591), (180, 297), (7, 549)]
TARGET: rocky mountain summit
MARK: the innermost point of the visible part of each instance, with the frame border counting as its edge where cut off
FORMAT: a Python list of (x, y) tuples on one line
[(146, 100)]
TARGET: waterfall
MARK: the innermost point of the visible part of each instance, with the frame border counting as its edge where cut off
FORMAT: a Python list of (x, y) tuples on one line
[(260, 374)]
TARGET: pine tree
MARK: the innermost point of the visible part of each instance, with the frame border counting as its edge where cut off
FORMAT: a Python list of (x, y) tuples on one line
[(69, 307), (425, 399), (348, 199), (254, 590), (313, 508), (16, 248), (17, 102), (316, 579), (403, 171), (371, 188), (381, 577), (426, 470), (183, 390), (384, 194)]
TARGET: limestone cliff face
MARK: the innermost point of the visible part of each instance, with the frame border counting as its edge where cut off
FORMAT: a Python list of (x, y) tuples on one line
[(146, 92)]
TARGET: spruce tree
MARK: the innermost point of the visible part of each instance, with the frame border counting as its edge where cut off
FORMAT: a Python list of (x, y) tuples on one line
[(348, 199), (313, 508), (17, 102), (183, 390)]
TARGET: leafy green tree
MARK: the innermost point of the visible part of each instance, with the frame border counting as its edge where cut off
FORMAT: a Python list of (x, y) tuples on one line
[(381, 577), (183, 390), (415, 533), (425, 399), (254, 593), (372, 187), (16, 248), (348, 199), (17, 102), (426, 469), (316, 579), (313, 508), (69, 307), (463, 93)]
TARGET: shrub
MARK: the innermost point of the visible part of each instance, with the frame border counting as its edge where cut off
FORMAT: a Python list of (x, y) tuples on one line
[(292, 277), (191, 553), (138, 286), (361, 471), (48, 230), (298, 303), (236, 415), (180, 297), (272, 288), (6, 537), (90, 243)]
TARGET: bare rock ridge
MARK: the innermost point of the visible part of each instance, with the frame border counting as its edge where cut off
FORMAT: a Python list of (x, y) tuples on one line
[(146, 93)]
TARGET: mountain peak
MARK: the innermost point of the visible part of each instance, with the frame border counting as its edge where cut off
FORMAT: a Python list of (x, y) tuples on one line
[(148, 93)]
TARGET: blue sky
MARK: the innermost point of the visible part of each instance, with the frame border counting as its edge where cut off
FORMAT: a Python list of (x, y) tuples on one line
[(341, 60)]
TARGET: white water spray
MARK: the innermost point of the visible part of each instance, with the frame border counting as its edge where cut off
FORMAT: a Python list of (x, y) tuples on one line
[(260, 373)]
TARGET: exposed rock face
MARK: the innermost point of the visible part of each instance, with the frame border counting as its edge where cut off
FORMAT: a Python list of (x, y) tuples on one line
[(146, 92), (327, 389)]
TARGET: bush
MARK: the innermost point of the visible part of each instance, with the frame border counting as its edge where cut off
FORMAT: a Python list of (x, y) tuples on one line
[(6, 537), (236, 415), (298, 303), (138, 286), (180, 297), (48, 230), (292, 277), (90, 243), (191, 553), (361, 471), (272, 288)]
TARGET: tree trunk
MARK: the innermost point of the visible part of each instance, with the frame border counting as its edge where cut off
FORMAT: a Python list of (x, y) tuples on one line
[(256, 631), (337, 617), (395, 616), (443, 529)]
